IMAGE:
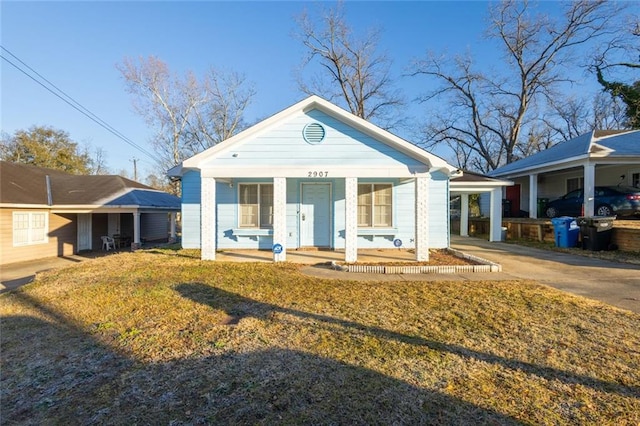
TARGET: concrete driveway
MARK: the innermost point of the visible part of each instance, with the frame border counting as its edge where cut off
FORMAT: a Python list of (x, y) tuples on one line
[(15, 275), (617, 284)]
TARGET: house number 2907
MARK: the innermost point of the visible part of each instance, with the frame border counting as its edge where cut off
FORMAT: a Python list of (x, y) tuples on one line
[(315, 174)]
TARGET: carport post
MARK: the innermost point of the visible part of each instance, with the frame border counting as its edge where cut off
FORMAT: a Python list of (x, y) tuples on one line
[(533, 196), (136, 231), (589, 189), (172, 229), (464, 215), (495, 215)]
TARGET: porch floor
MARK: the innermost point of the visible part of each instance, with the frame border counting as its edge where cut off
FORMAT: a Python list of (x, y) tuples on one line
[(317, 256)]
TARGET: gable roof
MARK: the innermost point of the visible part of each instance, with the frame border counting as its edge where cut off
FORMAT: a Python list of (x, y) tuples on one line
[(22, 184), (597, 144), (316, 103)]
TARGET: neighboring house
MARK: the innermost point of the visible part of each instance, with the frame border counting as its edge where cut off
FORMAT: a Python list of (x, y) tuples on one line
[(45, 212), (315, 176), (599, 158)]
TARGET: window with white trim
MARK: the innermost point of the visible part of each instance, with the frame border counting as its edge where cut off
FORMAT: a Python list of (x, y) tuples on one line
[(30, 228), (575, 183), (375, 205), (256, 205)]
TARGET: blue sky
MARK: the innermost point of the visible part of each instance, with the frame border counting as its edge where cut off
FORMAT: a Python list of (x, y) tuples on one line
[(76, 46)]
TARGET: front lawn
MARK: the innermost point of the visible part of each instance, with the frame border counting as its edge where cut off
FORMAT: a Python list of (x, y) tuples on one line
[(160, 337)]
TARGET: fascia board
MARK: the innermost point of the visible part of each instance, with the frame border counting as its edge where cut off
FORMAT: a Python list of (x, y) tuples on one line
[(107, 209), (544, 168), (454, 185), (24, 206)]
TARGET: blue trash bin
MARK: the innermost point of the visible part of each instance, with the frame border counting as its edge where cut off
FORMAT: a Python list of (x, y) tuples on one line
[(566, 231)]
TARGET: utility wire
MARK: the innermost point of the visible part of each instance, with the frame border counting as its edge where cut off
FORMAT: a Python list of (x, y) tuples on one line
[(73, 103)]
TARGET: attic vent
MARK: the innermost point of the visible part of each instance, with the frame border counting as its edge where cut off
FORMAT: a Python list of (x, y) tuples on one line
[(313, 133)]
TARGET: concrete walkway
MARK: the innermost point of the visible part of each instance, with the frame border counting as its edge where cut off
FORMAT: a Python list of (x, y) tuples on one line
[(617, 284)]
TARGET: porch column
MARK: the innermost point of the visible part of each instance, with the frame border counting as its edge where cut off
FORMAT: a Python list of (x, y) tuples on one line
[(464, 215), (422, 218), (533, 196), (280, 219), (172, 227), (495, 215), (589, 189), (208, 219), (351, 219), (136, 231)]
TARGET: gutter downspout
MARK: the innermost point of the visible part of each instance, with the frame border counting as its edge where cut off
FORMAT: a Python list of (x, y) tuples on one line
[(47, 180)]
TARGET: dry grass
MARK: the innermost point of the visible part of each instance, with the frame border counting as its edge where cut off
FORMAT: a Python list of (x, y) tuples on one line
[(163, 338)]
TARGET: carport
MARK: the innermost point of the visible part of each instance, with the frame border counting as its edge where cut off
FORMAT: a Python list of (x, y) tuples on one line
[(473, 183)]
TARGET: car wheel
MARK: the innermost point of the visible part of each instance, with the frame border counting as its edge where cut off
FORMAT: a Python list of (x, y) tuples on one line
[(604, 210), (551, 212)]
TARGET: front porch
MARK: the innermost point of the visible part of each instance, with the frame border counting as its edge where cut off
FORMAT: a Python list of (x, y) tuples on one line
[(312, 257)]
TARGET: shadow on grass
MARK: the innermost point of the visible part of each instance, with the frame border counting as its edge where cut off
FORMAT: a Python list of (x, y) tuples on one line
[(53, 371), (238, 307)]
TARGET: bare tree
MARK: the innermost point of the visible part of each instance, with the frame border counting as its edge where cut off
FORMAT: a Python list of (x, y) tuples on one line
[(222, 114), (353, 70), (571, 117), (490, 113), (189, 115), (99, 162)]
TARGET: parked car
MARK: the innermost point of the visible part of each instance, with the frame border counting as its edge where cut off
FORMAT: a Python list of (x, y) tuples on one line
[(609, 201)]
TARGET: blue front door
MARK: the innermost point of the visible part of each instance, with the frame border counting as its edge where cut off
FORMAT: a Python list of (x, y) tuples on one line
[(315, 215)]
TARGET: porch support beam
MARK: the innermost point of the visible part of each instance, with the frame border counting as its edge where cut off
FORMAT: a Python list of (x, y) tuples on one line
[(351, 220), (136, 231), (208, 218), (589, 189), (422, 218), (464, 215), (533, 196), (495, 215), (280, 217)]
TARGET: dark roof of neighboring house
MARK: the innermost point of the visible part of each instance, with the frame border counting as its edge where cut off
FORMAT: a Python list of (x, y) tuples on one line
[(621, 144), (26, 184), (468, 176)]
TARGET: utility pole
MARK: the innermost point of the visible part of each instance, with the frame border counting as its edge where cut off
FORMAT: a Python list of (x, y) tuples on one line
[(135, 168)]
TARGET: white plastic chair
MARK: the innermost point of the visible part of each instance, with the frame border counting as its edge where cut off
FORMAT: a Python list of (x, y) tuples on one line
[(108, 243)]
